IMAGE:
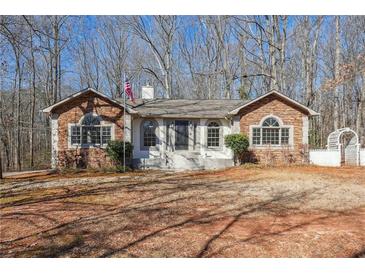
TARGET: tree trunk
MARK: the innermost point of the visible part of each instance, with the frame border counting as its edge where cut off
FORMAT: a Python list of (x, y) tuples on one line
[(56, 59), (360, 114), (272, 52), (307, 63), (244, 83), (32, 107), (283, 55), (17, 88), (1, 164), (59, 76), (337, 72)]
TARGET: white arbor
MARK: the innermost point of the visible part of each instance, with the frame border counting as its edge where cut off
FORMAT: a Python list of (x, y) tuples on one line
[(346, 141), (343, 148)]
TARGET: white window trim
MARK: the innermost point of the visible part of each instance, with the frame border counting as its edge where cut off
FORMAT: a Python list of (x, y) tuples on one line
[(221, 140), (141, 141), (71, 146), (281, 125)]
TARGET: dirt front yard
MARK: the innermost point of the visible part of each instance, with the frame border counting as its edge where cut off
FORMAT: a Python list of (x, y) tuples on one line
[(239, 212)]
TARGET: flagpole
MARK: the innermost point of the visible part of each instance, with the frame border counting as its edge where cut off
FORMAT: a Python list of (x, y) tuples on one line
[(124, 123)]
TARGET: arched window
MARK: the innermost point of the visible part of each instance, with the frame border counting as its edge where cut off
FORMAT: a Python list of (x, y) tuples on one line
[(149, 133), (213, 136), (270, 122), (90, 120), (270, 132), (90, 132)]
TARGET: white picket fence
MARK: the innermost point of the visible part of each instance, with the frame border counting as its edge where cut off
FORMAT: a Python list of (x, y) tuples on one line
[(324, 157)]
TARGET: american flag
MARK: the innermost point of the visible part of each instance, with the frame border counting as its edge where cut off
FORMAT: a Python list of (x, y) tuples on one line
[(128, 90)]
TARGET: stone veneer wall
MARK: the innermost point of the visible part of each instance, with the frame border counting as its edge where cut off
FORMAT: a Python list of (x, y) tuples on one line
[(291, 116), (72, 112)]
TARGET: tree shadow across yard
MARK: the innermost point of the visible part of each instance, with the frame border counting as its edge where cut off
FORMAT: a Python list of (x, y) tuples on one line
[(142, 217), (360, 254)]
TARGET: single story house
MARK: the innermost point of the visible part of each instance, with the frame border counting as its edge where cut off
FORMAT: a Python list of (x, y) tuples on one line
[(176, 133)]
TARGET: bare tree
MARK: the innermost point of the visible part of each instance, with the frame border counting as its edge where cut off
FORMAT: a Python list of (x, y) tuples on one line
[(317, 60), (11, 29), (1, 163), (158, 32), (32, 68)]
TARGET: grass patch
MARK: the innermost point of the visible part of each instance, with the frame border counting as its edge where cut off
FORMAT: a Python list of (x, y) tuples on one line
[(12, 199), (90, 199), (31, 195)]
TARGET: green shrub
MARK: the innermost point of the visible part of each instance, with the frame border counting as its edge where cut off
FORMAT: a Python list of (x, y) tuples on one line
[(238, 143), (115, 151)]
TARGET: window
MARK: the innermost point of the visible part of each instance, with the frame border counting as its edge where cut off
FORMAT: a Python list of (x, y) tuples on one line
[(213, 134), (149, 133), (106, 135), (285, 136), (91, 120), (90, 135), (75, 135), (90, 132), (270, 133), (270, 136), (256, 136), (270, 122)]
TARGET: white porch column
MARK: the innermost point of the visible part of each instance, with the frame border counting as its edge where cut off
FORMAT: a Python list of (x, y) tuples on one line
[(161, 137), (202, 136), (236, 124)]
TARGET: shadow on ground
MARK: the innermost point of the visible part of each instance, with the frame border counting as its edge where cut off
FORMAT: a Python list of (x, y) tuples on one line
[(177, 215)]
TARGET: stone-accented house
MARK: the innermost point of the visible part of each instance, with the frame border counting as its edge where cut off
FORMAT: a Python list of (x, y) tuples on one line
[(178, 133)]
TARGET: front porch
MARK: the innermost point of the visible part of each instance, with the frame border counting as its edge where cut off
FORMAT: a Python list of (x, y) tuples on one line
[(181, 143)]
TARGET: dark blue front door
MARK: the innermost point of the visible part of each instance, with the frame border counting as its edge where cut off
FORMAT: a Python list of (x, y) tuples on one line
[(181, 135)]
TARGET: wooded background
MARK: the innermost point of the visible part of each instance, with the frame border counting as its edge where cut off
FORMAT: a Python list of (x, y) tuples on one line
[(317, 60)]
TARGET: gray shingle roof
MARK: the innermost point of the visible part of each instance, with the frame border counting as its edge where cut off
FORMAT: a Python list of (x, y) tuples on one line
[(184, 108)]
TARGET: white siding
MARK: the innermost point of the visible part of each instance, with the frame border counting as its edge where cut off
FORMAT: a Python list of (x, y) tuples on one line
[(223, 152), (139, 153), (236, 124)]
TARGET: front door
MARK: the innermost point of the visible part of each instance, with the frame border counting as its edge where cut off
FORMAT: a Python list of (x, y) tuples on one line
[(181, 135)]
